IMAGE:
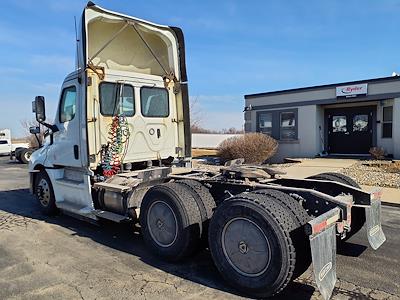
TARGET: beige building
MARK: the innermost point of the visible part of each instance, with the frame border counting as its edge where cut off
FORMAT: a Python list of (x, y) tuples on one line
[(340, 119)]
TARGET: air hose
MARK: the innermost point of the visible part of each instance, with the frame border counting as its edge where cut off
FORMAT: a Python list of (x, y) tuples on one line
[(115, 150)]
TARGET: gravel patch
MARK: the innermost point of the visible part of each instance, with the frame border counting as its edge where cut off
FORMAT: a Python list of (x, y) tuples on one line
[(376, 173)]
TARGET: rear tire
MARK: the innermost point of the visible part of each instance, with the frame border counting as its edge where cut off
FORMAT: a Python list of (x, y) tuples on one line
[(331, 176), (17, 154), (45, 194), (25, 156), (300, 217), (205, 201), (170, 220), (357, 213), (251, 246)]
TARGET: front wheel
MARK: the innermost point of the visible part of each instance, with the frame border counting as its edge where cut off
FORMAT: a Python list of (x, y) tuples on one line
[(45, 194)]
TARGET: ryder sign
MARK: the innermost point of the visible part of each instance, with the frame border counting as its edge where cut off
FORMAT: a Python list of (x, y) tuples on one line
[(352, 90)]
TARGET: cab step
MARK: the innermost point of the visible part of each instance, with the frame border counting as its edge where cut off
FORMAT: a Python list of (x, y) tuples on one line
[(74, 207), (77, 211), (111, 216)]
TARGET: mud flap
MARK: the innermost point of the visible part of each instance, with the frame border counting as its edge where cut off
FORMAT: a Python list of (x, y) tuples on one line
[(323, 252), (375, 234), (322, 234)]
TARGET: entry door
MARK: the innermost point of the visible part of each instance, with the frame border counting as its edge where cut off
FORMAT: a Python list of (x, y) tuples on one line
[(65, 150), (158, 121), (350, 130)]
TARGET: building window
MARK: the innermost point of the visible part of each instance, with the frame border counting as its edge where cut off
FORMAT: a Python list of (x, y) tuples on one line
[(360, 123), (387, 122), (287, 125), (265, 123), (68, 104), (339, 124), (279, 124)]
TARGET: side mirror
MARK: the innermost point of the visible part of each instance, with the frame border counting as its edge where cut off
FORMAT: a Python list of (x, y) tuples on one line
[(39, 109), (34, 129)]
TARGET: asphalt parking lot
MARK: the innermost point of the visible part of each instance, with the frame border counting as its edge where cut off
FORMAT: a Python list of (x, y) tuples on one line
[(64, 258)]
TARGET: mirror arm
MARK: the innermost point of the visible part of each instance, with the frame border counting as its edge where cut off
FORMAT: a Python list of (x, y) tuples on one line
[(53, 128)]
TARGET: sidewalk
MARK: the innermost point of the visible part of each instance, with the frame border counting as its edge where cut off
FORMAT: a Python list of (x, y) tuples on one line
[(315, 166), (390, 196), (309, 167)]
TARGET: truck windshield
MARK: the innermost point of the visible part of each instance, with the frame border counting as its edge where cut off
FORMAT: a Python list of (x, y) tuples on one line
[(117, 99)]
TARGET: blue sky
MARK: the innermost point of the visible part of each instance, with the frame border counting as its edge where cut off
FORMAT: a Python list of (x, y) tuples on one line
[(233, 48)]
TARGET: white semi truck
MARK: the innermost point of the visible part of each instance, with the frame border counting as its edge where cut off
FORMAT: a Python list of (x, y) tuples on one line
[(120, 149), (21, 151)]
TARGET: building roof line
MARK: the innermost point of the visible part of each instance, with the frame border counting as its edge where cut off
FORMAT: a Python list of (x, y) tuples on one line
[(317, 87)]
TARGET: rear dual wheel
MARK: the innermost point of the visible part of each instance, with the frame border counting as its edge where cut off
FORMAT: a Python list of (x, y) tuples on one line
[(253, 237), (25, 155), (251, 244), (300, 218), (174, 217)]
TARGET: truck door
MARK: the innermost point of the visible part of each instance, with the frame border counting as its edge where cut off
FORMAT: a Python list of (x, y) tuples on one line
[(71, 182), (66, 148)]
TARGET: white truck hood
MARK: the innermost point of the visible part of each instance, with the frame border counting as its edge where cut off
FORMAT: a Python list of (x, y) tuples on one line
[(113, 41)]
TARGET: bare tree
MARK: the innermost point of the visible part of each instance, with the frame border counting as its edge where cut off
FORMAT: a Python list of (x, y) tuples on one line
[(30, 138), (195, 112), (232, 130), (196, 118)]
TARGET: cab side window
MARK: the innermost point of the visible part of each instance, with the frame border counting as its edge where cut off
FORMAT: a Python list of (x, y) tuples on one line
[(68, 104)]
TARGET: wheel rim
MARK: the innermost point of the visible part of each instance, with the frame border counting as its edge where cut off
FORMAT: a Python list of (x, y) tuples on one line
[(162, 223), (43, 192), (27, 156), (246, 247)]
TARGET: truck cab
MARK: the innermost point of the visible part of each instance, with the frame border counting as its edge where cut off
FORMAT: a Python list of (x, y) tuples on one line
[(5, 141), (124, 108), (21, 151)]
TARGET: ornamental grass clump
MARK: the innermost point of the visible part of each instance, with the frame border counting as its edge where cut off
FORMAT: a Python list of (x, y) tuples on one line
[(255, 148)]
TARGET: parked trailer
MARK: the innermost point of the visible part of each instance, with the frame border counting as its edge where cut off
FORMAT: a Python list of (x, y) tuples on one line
[(119, 149)]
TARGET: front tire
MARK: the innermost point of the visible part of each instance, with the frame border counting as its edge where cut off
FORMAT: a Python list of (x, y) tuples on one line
[(250, 243), (45, 194)]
